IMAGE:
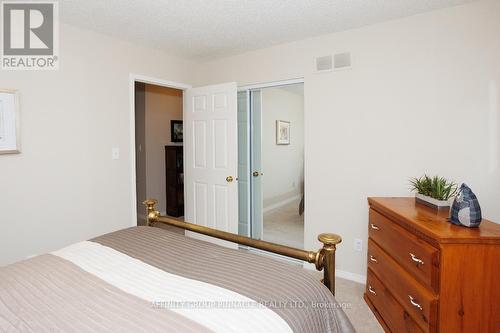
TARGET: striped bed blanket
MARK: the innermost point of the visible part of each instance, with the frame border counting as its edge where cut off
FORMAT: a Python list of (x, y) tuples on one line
[(145, 279)]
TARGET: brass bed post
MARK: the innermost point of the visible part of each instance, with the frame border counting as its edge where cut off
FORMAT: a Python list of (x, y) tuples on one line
[(324, 259), (330, 242), (151, 213)]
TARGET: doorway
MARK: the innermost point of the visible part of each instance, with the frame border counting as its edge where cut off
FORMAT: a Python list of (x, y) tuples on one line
[(159, 169), (209, 166), (271, 163)]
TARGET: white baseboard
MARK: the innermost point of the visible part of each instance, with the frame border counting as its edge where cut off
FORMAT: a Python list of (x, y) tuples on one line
[(282, 203), (358, 278), (289, 260)]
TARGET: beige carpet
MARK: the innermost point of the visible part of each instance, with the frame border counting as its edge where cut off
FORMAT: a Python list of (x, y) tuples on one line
[(284, 226), (350, 295), (359, 313)]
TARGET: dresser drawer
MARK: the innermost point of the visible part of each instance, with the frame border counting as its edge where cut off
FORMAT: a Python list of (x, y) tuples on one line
[(415, 255), (417, 300), (394, 315)]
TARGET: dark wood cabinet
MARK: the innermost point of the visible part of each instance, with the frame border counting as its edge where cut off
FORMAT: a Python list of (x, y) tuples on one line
[(428, 275), (174, 168)]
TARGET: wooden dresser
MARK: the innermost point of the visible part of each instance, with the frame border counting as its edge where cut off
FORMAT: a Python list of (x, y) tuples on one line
[(427, 275), (174, 177)]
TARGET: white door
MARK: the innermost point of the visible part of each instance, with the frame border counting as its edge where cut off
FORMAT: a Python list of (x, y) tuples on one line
[(211, 157)]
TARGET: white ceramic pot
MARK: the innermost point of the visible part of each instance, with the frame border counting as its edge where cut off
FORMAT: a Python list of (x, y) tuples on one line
[(433, 203)]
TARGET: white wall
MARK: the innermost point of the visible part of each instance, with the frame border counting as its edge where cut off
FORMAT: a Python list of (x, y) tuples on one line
[(427, 79), (283, 165), (162, 106), (65, 187), (423, 96)]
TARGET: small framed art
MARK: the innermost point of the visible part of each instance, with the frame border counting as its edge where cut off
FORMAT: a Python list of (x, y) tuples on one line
[(9, 122), (176, 131), (282, 132)]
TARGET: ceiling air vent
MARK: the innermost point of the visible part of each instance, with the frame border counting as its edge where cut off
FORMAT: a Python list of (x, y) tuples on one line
[(342, 61), (324, 64)]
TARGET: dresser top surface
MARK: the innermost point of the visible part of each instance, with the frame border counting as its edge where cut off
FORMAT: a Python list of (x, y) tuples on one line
[(434, 224)]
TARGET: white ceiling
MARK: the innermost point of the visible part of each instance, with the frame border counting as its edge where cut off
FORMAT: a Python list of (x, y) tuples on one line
[(205, 29)]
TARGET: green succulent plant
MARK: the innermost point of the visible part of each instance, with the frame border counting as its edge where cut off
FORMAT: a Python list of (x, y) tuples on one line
[(435, 187)]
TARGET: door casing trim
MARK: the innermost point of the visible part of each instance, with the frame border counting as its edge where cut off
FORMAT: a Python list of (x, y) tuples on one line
[(275, 84), (271, 84), (157, 82)]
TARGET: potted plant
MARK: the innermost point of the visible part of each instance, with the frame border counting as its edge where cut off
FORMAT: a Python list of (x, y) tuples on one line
[(434, 192)]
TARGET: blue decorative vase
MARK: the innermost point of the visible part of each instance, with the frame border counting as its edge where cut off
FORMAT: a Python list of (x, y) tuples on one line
[(465, 210)]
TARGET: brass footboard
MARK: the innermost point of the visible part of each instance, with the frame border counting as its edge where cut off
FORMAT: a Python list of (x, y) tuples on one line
[(323, 259)]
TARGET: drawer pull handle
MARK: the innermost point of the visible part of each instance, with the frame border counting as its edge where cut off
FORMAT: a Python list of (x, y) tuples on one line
[(374, 226), (372, 258), (415, 304), (370, 289), (416, 259)]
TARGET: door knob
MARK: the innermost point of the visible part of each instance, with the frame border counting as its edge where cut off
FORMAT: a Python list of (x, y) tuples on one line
[(229, 179), (256, 174)]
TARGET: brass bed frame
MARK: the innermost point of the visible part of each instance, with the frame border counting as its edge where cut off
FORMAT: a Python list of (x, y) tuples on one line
[(323, 259)]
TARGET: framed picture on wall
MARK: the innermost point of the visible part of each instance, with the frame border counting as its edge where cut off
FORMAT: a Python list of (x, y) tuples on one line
[(282, 132), (9, 122), (176, 130)]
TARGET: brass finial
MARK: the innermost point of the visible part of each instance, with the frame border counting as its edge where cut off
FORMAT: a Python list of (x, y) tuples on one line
[(329, 239), (150, 202), (151, 211)]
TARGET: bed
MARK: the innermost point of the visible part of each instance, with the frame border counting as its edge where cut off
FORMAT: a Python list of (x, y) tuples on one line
[(147, 279)]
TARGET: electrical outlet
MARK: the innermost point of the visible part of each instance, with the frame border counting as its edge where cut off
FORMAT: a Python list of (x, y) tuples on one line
[(358, 244), (115, 153)]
